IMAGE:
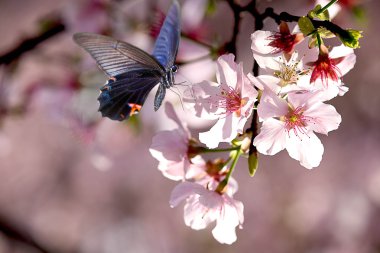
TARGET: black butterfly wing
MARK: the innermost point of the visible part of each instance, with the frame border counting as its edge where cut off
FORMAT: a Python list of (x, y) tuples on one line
[(166, 46), (133, 73), (124, 95), (116, 57)]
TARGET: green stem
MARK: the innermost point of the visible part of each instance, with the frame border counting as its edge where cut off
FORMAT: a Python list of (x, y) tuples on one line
[(326, 6), (319, 39), (206, 150), (224, 183)]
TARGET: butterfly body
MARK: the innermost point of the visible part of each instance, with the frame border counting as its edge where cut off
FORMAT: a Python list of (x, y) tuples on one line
[(132, 72)]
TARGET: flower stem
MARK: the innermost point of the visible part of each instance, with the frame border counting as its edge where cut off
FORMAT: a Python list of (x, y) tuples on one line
[(319, 39), (222, 185), (217, 150), (326, 6)]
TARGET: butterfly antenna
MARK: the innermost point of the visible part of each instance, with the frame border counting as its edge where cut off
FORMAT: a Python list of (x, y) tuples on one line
[(186, 80), (190, 86), (179, 96)]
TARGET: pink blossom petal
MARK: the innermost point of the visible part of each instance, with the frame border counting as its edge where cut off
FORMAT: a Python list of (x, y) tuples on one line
[(265, 80), (203, 106), (271, 105), (202, 208), (225, 130), (183, 190), (196, 215), (307, 149), (232, 216), (249, 94), (329, 92), (197, 169), (261, 50), (272, 137), (325, 118), (348, 61), (167, 145), (260, 42), (340, 51), (266, 62), (174, 170), (342, 90), (305, 98), (347, 64), (227, 69)]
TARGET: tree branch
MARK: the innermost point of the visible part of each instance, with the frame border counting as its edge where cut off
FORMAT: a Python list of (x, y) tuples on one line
[(31, 43), (14, 232)]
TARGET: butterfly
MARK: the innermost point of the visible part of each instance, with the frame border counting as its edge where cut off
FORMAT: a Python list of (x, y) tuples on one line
[(132, 72)]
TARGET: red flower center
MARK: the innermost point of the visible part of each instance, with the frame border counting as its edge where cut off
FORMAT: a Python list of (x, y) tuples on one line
[(282, 42), (325, 68)]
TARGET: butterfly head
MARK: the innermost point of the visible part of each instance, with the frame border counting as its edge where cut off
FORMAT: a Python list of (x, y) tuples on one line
[(174, 69)]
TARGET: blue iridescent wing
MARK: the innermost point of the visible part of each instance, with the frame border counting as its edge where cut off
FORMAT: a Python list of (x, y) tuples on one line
[(166, 46), (116, 57), (125, 94)]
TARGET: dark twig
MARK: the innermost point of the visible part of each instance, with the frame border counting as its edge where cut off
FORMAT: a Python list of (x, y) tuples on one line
[(31, 43), (12, 231), (284, 16), (237, 9)]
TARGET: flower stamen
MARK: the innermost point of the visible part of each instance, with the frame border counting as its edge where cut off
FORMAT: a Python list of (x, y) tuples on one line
[(284, 41), (296, 121), (325, 68), (289, 72), (230, 100)]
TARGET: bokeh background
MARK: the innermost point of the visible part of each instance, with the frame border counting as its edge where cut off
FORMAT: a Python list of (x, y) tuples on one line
[(73, 182)]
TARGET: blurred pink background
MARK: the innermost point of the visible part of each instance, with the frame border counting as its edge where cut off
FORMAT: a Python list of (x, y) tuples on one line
[(73, 182)]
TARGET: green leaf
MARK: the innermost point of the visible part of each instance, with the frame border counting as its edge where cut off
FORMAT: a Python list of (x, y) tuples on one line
[(253, 163), (325, 33), (351, 38), (316, 13), (306, 26)]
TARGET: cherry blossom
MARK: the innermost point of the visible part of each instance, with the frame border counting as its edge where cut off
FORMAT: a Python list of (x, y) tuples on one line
[(210, 174), (288, 75), (291, 124), (230, 102), (204, 206), (298, 73), (172, 148), (329, 68), (266, 44)]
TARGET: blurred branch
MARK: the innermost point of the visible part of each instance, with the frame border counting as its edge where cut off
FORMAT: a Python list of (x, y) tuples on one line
[(14, 232), (31, 43), (237, 9)]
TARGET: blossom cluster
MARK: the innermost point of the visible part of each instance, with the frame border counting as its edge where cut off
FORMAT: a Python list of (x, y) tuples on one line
[(290, 98)]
